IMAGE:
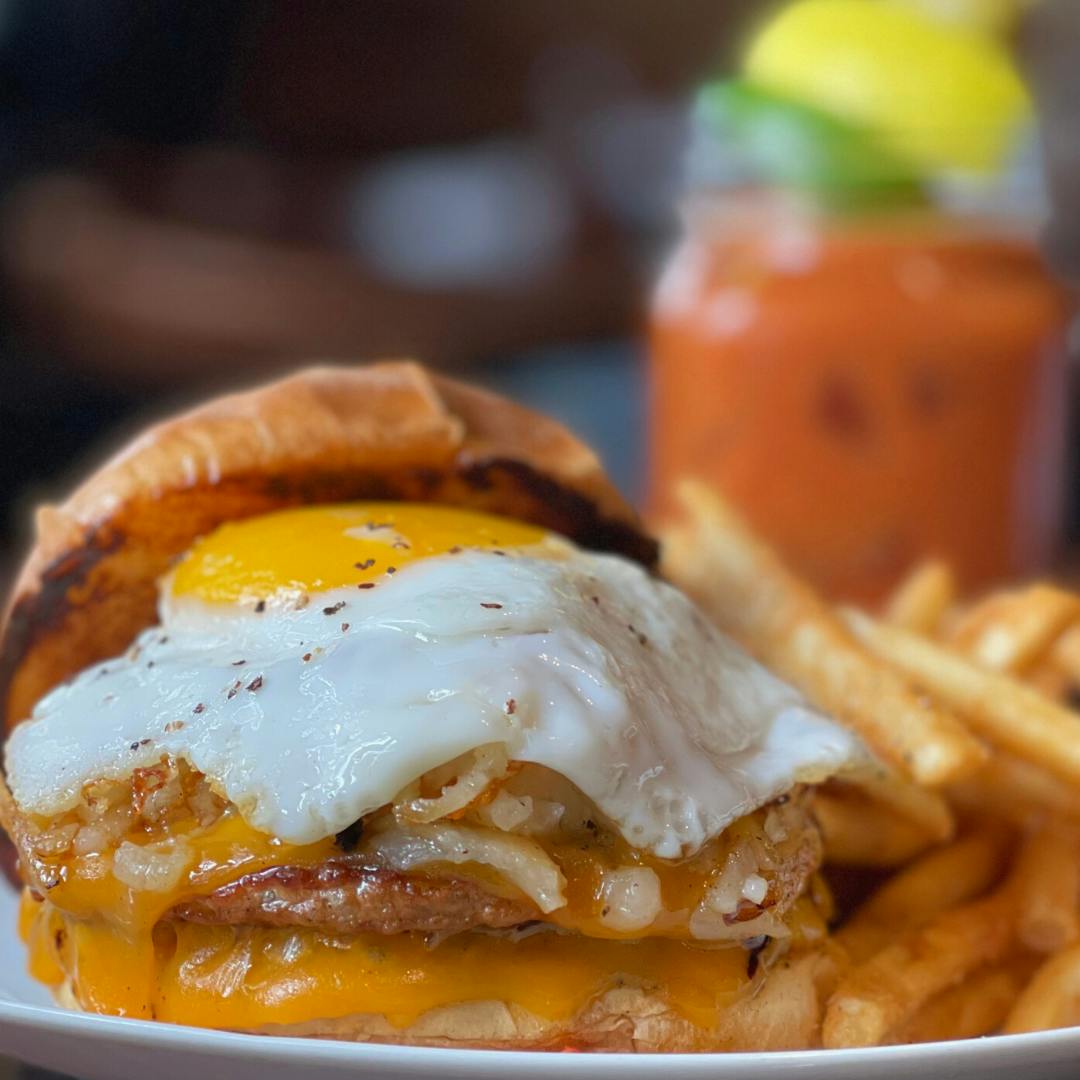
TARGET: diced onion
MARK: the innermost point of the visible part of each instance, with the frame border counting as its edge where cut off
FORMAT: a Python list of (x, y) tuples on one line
[(522, 862), (151, 868), (631, 898), (708, 925), (506, 812), (715, 918), (755, 889), (55, 841), (726, 891)]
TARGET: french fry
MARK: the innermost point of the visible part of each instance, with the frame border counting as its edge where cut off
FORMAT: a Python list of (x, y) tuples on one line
[(879, 996), (745, 588), (858, 832), (1050, 679), (938, 881), (1056, 673), (1048, 891), (922, 598), (926, 809), (996, 706), (1051, 999), (1017, 791), (968, 702), (976, 1007), (1009, 630), (1066, 654)]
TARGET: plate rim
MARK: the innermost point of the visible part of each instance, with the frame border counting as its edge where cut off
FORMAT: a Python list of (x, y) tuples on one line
[(996, 1049)]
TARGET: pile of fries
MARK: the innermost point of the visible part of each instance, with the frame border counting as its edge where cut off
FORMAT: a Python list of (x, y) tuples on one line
[(972, 818)]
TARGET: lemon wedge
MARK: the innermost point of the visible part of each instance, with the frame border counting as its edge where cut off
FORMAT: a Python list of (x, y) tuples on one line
[(938, 94)]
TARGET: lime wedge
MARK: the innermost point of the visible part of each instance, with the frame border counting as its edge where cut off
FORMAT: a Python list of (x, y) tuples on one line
[(786, 142)]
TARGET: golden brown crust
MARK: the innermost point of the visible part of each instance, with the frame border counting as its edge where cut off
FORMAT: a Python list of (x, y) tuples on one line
[(784, 1014), (385, 431)]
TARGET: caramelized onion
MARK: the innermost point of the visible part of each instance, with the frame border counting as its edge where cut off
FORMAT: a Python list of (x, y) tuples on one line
[(478, 770), (521, 861)]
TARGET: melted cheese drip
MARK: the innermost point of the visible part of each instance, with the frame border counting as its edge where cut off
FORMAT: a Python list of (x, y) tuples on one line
[(123, 960), (243, 978), (318, 548), (226, 977)]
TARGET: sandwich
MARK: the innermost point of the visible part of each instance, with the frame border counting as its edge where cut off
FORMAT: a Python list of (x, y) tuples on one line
[(354, 707)]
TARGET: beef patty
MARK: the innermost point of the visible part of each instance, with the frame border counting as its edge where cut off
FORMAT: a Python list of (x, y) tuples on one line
[(352, 893), (345, 897)]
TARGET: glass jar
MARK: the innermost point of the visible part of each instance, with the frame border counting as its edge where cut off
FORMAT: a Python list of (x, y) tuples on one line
[(870, 389)]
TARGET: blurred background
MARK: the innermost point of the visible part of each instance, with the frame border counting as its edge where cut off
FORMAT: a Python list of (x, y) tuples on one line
[(817, 252)]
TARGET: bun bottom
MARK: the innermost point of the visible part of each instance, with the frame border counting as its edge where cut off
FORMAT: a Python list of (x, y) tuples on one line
[(784, 1014)]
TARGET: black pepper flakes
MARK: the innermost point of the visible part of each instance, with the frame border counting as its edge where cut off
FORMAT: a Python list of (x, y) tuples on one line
[(239, 663), (366, 585), (391, 569), (511, 706), (491, 605), (367, 564), (401, 545), (200, 708), (260, 607), (344, 627), (334, 608), (233, 690), (306, 657), (255, 684), (456, 550)]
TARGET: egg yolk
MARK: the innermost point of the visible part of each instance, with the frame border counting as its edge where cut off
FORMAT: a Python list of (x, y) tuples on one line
[(316, 548)]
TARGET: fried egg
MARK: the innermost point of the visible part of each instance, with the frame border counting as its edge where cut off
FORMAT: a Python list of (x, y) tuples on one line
[(314, 663)]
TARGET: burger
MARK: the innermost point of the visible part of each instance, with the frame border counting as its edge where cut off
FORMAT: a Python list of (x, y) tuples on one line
[(353, 707)]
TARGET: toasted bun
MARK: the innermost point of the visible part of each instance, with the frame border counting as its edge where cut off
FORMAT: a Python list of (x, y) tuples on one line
[(785, 1014), (386, 431)]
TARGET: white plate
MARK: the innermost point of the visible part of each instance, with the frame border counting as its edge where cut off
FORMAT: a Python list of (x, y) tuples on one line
[(105, 1048)]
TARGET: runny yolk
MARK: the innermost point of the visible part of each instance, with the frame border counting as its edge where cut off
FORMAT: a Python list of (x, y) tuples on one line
[(315, 548)]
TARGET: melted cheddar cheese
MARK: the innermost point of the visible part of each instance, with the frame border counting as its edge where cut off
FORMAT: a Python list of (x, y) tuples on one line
[(228, 977), (124, 957)]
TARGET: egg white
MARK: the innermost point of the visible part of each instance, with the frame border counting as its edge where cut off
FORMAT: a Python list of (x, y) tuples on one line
[(309, 717)]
